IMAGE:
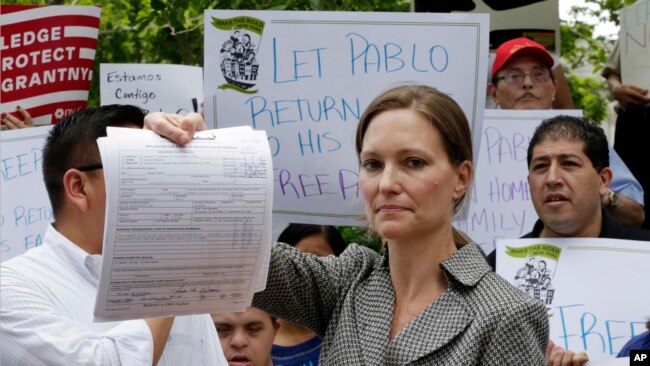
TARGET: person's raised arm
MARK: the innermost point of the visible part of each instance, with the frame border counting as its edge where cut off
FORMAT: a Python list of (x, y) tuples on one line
[(177, 128)]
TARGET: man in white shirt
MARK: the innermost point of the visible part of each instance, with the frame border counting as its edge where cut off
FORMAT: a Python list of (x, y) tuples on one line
[(47, 295)]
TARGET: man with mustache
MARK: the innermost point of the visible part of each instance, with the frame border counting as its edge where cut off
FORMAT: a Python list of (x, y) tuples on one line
[(568, 170), (522, 79)]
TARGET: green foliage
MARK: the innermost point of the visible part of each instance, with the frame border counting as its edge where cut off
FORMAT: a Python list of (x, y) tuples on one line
[(592, 93), (361, 236), (581, 49)]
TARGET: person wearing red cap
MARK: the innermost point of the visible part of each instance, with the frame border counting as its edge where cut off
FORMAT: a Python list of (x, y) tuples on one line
[(522, 78)]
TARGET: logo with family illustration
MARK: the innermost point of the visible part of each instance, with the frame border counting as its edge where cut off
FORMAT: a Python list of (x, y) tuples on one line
[(239, 52), (538, 266)]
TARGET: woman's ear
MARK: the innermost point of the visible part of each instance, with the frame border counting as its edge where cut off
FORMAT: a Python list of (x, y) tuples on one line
[(464, 178), (74, 186)]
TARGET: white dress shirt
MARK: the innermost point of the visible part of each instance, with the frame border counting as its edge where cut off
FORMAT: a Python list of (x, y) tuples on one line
[(46, 316)]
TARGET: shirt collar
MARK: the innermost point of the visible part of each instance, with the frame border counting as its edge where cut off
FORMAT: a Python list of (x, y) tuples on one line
[(87, 265), (467, 265)]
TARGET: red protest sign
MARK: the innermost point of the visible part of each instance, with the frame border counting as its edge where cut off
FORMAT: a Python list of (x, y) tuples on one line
[(48, 53)]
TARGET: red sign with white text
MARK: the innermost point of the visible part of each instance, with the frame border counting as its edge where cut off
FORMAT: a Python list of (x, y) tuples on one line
[(48, 53)]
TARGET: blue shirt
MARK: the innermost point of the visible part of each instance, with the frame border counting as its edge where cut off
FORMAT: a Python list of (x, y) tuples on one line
[(642, 341), (623, 182), (304, 354)]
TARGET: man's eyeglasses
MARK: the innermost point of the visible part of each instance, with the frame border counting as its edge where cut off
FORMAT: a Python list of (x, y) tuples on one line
[(88, 168), (517, 77)]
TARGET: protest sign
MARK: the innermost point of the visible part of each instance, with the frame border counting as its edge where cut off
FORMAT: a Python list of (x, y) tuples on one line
[(153, 87), (25, 209), (500, 205), (634, 44), (48, 53), (306, 77), (592, 287)]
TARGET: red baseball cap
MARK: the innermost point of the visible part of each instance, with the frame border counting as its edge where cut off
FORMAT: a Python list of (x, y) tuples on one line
[(519, 46)]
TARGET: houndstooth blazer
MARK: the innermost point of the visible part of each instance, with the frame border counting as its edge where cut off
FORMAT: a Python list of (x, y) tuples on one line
[(348, 300)]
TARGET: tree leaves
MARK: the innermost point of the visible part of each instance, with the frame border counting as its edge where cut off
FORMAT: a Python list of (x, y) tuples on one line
[(582, 49)]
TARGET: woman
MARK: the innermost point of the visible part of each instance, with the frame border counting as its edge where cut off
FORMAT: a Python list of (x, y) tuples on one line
[(295, 345), (431, 299)]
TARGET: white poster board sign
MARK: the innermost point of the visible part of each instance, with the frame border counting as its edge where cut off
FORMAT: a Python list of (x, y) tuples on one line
[(623, 361), (634, 37), (25, 209), (500, 205), (595, 289), (306, 77), (152, 87)]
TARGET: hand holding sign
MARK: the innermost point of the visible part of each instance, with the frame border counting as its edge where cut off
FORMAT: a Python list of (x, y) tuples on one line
[(13, 123)]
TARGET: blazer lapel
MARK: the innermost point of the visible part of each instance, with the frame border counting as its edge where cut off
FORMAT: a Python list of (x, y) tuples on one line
[(374, 310), (432, 329), (446, 317)]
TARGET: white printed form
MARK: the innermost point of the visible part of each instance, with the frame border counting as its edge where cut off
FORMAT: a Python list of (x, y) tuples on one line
[(187, 228)]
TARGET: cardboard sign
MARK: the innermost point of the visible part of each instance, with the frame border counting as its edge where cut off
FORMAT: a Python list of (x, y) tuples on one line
[(48, 55), (634, 38), (25, 209), (306, 77), (153, 87), (595, 289)]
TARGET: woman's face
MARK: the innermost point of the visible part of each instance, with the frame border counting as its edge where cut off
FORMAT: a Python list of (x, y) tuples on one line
[(408, 184)]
